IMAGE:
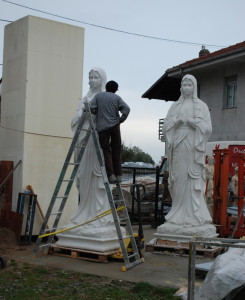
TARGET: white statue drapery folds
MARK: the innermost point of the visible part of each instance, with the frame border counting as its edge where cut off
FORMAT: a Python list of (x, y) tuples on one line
[(100, 234), (89, 181), (186, 129)]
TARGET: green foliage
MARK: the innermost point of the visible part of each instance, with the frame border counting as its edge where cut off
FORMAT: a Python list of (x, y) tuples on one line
[(147, 291), (13, 263), (135, 154)]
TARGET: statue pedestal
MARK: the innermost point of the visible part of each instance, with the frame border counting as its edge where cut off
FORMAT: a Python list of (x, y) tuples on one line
[(179, 245), (100, 239), (171, 237), (182, 234), (206, 230)]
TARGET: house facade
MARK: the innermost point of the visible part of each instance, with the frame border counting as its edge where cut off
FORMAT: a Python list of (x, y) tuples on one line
[(221, 85)]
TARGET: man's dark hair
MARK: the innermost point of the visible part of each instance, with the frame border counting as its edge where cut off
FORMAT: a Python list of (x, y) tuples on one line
[(111, 86)]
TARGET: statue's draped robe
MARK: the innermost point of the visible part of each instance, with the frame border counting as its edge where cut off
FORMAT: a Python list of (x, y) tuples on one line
[(185, 147), (89, 180)]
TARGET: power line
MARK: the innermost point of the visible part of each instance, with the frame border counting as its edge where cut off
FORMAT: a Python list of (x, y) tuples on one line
[(113, 29), (33, 133), (6, 21)]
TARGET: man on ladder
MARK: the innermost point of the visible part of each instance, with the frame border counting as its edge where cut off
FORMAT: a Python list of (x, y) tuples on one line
[(106, 105), (131, 259)]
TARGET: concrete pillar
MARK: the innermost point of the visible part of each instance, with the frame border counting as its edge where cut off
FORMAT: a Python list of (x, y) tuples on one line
[(42, 86)]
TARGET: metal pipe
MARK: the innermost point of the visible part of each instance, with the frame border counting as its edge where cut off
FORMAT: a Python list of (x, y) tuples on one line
[(156, 194), (191, 269), (221, 242)]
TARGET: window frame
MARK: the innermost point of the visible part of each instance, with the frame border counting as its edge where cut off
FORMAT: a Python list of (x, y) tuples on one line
[(230, 92)]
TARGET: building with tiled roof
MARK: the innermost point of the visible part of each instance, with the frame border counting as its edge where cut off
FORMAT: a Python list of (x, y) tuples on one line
[(221, 85)]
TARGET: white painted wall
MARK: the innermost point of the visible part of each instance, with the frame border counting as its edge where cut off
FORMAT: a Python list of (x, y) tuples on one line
[(42, 86)]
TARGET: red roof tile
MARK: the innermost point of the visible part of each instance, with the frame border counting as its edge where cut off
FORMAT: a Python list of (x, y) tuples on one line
[(213, 54)]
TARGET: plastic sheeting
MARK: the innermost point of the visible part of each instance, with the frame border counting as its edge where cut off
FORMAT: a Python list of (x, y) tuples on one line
[(226, 274)]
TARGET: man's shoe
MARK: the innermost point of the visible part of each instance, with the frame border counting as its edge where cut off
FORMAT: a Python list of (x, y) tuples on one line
[(112, 179), (119, 178)]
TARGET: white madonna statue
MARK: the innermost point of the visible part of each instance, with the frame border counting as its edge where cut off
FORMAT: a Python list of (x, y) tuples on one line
[(186, 129), (101, 234)]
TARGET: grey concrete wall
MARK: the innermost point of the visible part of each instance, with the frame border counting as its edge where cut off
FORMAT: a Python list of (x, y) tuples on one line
[(228, 124)]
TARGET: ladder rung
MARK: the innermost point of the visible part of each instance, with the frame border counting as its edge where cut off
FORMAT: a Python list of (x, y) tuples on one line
[(118, 200), (132, 255), (67, 180), (79, 147), (128, 236), (86, 130), (56, 213), (61, 196), (73, 164), (45, 245), (134, 263), (50, 229), (123, 219)]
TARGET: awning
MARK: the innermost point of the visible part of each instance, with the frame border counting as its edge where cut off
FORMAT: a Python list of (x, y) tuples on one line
[(166, 88)]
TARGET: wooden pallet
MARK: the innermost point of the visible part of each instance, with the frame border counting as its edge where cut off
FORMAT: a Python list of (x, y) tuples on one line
[(182, 249), (82, 254)]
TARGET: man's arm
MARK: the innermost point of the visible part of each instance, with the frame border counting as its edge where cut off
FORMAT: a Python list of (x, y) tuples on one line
[(124, 109), (123, 118)]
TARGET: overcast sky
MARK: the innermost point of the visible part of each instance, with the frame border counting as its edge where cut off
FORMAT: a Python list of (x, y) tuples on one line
[(136, 62)]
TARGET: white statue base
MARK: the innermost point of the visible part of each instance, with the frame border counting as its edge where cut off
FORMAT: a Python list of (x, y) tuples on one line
[(101, 239), (178, 233), (174, 229)]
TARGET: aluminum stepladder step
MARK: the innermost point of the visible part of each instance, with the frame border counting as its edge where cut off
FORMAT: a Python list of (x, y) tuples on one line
[(131, 259)]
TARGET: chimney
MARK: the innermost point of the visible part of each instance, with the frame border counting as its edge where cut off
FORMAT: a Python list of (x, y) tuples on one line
[(203, 52)]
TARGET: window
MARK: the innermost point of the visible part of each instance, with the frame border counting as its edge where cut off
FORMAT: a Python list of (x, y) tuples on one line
[(231, 92)]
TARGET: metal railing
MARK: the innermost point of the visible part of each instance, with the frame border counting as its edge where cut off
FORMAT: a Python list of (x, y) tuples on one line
[(160, 125), (130, 175)]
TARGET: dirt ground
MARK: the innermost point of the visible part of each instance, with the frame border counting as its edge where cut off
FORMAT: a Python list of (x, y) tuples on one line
[(8, 242)]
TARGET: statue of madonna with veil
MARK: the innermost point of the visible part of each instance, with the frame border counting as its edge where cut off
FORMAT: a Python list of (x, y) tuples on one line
[(99, 235), (186, 129)]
